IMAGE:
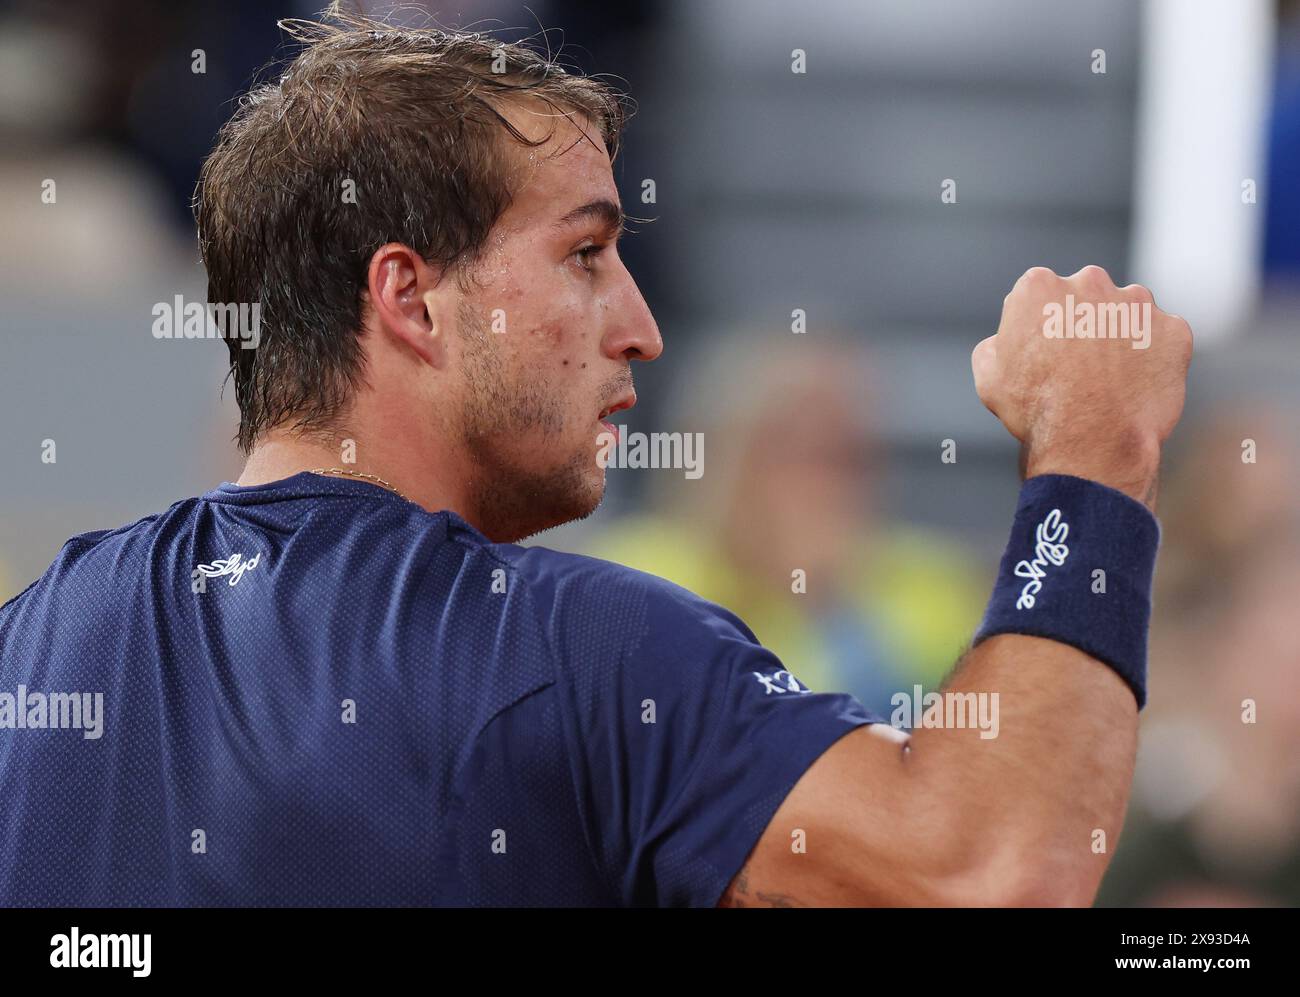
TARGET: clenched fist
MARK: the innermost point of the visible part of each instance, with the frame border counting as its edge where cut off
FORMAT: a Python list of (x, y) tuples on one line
[(1090, 377)]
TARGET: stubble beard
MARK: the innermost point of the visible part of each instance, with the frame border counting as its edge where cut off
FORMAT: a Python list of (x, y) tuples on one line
[(506, 420)]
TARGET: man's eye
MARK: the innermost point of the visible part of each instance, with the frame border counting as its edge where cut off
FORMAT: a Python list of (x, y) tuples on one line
[(586, 255)]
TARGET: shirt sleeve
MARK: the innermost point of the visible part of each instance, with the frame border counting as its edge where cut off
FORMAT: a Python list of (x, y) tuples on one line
[(689, 736)]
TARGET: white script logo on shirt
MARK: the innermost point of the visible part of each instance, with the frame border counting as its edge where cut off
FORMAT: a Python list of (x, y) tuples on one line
[(234, 566)]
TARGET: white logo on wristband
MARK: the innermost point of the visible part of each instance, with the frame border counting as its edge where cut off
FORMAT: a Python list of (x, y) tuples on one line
[(1048, 549)]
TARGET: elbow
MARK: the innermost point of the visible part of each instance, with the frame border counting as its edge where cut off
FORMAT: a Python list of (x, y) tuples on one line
[(1027, 877), (1068, 888), (1020, 874)]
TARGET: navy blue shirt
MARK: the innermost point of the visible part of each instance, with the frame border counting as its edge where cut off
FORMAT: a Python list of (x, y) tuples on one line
[(315, 692)]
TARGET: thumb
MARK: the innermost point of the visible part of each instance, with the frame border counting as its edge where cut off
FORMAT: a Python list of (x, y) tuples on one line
[(983, 363)]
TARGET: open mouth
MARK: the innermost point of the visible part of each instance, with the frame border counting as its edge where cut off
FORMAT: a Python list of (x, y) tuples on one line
[(623, 402)]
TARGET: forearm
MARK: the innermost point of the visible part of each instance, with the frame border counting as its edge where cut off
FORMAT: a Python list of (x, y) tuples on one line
[(1033, 803), (1040, 803), (1039, 807), (1024, 808)]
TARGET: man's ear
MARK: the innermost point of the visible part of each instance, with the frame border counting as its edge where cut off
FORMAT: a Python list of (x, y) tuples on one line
[(410, 301)]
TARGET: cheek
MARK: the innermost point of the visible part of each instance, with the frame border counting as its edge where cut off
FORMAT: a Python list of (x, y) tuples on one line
[(550, 347), (568, 328), (549, 337), (557, 349)]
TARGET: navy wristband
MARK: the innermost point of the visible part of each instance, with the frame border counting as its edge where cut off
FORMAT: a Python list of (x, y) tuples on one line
[(1078, 569)]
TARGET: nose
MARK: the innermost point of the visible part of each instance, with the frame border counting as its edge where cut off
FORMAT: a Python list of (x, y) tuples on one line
[(632, 332)]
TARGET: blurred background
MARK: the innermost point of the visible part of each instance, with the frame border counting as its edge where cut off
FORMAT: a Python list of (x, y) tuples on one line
[(1160, 140)]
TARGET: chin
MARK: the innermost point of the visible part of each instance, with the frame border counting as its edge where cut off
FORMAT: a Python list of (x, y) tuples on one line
[(578, 503), (539, 502)]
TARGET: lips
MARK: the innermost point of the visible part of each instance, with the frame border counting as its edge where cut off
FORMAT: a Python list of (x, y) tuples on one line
[(622, 402)]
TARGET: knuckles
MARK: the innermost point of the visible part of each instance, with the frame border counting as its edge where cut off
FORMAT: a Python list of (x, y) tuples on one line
[(1093, 282), (1038, 277), (1138, 293), (1093, 278), (1033, 280)]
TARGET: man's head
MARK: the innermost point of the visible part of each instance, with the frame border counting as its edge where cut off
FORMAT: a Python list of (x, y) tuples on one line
[(428, 222)]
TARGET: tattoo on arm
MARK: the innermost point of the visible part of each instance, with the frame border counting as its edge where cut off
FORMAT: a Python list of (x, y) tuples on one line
[(742, 894)]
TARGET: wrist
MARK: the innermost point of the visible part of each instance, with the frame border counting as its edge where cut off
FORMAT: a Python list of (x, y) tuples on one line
[(1078, 569), (1128, 464)]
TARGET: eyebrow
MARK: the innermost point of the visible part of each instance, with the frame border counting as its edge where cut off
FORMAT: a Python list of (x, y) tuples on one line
[(603, 210)]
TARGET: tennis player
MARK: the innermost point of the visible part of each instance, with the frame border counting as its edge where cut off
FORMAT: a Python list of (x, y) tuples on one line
[(339, 680)]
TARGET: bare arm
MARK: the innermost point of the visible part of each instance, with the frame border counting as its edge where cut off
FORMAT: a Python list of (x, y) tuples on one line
[(948, 818), (945, 817)]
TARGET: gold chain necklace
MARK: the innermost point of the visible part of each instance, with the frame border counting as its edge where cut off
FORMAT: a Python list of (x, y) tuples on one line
[(358, 474)]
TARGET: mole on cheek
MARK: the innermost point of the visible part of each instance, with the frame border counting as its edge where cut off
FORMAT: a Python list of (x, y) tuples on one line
[(584, 366)]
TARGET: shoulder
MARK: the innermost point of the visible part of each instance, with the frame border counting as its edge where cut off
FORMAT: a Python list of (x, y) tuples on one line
[(576, 593), (95, 544)]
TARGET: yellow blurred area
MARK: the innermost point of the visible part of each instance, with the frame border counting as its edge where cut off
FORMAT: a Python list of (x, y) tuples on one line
[(917, 594)]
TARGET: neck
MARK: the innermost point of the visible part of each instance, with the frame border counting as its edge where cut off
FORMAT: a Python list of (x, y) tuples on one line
[(280, 454)]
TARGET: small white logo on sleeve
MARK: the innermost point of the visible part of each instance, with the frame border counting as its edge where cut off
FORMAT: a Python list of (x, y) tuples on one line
[(234, 566), (780, 682), (1048, 549)]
